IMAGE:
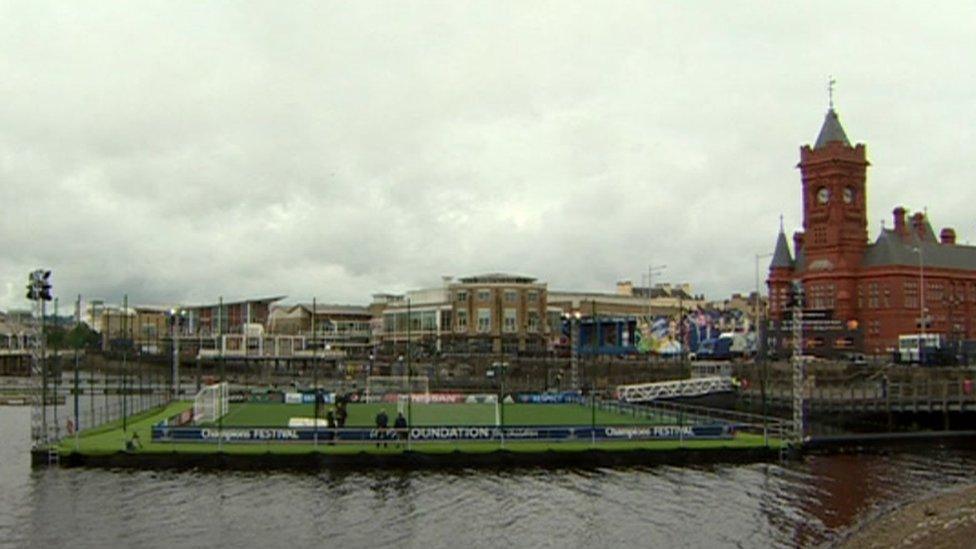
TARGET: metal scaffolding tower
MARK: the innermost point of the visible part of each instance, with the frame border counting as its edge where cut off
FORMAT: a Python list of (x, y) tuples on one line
[(798, 374)]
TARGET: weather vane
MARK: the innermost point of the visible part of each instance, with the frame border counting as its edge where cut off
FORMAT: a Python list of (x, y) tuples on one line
[(830, 91)]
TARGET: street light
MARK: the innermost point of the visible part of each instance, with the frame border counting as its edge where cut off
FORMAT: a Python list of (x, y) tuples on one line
[(921, 300), (761, 345), (176, 320), (651, 270)]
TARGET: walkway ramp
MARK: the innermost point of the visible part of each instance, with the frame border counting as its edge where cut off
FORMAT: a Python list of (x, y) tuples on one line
[(646, 392)]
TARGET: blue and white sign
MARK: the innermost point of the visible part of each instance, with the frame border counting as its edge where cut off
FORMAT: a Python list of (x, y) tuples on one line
[(164, 433)]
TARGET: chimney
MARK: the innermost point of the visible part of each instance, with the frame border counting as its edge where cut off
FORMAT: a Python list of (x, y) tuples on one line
[(625, 287), (918, 223), (797, 242), (947, 236), (899, 215)]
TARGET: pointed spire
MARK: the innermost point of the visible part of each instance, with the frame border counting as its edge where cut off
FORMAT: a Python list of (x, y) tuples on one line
[(781, 256), (831, 131)]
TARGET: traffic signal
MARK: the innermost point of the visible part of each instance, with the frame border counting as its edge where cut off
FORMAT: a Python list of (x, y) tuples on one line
[(31, 288), (39, 285), (45, 290)]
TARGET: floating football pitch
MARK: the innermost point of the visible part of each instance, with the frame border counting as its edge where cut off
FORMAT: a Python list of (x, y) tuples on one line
[(111, 438)]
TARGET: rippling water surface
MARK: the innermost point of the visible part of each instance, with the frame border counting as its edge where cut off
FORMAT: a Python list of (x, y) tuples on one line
[(805, 503)]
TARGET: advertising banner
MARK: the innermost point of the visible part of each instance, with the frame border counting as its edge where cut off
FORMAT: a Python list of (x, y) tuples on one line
[(308, 398), (566, 397), (267, 397), (164, 433), (428, 398), (481, 399)]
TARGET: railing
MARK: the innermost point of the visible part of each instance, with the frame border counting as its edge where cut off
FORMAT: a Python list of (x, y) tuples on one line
[(688, 413), (96, 406), (643, 392), (945, 397)]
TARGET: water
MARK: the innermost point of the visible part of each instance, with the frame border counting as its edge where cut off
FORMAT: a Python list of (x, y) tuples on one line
[(800, 504)]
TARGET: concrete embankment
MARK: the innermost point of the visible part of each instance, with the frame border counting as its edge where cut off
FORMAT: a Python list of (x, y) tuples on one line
[(942, 521)]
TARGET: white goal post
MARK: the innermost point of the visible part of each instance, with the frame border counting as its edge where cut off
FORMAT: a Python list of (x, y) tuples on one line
[(211, 403)]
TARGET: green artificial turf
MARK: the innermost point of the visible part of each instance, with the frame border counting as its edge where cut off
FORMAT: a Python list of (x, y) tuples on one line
[(109, 440), (364, 415)]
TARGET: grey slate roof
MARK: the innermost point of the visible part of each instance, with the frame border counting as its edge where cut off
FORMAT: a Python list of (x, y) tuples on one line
[(891, 249), (831, 131), (781, 256)]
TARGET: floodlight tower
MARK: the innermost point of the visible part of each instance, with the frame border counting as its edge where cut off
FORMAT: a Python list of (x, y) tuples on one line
[(39, 292)]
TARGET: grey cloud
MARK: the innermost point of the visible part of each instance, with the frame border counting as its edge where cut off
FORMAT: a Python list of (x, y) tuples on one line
[(185, 151)]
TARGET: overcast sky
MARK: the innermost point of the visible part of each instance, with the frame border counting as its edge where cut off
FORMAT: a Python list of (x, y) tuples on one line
[(179, 151)]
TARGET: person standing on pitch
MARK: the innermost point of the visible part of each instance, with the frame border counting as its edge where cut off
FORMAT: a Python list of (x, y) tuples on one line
[(330, 424), (400, 425), (341, 412), (319, 403), (381, 422)]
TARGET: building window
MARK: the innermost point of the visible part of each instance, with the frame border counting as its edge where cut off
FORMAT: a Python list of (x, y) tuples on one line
[(510, 296), (462, 321), (510, 321), (533, 296), (484, 295), (533, 321), (462, 296), (820, 235), (822, 296), (874, 328), (484, 320), (911, 295), (873, 295)]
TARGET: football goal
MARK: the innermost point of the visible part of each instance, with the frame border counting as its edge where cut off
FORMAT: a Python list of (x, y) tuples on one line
[(211, 403), (397, 389)]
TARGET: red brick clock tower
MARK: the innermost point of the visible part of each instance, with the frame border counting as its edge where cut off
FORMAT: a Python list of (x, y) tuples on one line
[(834, 219)]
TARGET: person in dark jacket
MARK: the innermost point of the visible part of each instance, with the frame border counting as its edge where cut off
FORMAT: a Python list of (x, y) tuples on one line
[(341, 413), (319, 403), (400, 424), (382, 420), (330, 423)]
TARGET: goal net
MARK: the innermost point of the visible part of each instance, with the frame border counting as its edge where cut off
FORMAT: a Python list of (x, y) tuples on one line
[(396, 389), (211, 403)]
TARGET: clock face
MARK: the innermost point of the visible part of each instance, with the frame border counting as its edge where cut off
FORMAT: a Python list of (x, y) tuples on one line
[(823, 195), (848, 195)]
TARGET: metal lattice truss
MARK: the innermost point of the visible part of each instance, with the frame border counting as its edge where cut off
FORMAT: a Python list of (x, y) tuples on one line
[(645, 392), (39, 424), (798, 374)]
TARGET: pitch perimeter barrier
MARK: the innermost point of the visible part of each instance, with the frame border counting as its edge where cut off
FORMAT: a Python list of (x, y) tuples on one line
[(162, 432), (689, 413)]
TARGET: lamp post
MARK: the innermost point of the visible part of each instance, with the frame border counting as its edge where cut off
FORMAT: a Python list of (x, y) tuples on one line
[(761, 346), (921, 300), (409, 373), (651, 271), (176, 319), (574, 342)]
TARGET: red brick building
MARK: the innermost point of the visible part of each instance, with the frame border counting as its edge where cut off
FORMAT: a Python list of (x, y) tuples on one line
[(861, 296)]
